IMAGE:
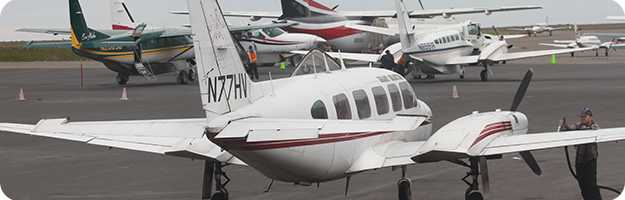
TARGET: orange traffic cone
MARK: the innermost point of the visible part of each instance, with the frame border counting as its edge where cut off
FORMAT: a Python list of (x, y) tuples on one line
[(20, 96), (124, 95)]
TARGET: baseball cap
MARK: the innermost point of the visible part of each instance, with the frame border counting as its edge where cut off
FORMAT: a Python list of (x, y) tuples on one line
[(586, 112)]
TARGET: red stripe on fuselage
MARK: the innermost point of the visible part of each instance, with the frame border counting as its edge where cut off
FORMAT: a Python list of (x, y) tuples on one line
[(327, 34), (242, 144)]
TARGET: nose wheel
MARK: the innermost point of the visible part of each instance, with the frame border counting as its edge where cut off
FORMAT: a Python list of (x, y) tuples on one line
[(404, 185)]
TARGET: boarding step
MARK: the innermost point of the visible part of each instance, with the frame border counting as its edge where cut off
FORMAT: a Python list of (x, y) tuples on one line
[(145, 71)]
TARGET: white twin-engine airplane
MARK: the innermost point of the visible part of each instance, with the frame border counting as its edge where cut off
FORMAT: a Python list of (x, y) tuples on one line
[(352, 120), (587, 40), (539, 28), (445, 49)]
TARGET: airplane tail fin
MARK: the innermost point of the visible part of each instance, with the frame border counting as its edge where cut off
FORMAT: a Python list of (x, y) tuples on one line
[(80, 31), (406, 29), (305, 8), (120, 16), (224, 84)]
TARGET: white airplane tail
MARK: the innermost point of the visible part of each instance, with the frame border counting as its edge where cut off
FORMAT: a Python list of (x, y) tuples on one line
[(224, 84), (406, 29), (121, 18)]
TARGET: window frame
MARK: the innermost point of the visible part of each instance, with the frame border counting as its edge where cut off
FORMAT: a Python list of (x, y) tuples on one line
[(397, 105), (348, 108), (377, 96), (363, 112), (325, 109)]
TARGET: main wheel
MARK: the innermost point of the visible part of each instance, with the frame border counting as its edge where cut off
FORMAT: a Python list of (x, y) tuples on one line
[(219, 196), (403, 189), (461, 76), (191, 75), (122, 79), (182, 77), (484, 75), (474, 195)]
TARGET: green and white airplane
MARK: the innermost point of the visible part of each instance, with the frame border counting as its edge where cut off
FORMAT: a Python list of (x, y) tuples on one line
[(150, 52)]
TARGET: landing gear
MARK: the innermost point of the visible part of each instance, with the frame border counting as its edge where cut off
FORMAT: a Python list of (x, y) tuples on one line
[(485, 73), (191, 75), (473, 191), (550, 33), (607, 52), (404, 184), (122, 79), (430, 76), (213, 171), (572, 54), (597, 53), (183, 77)]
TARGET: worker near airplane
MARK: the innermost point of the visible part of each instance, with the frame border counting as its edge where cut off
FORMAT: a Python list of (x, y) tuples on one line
[(253, 67), (586, 157)]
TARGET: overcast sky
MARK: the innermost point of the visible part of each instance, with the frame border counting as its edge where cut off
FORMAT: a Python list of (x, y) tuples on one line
[(54, 13)]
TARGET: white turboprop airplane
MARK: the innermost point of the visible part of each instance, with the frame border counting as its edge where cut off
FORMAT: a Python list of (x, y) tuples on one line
[(446, 49), (584, 41), (539, 28), (325, 21), (352, 120)]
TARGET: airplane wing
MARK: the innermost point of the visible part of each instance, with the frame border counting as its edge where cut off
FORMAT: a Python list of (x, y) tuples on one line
[(64, 44), (516, 29), (508, 37), (531, 54), (616, 18), (181, 138), (462, 11), (461, 60), (531, 142), (349, 56), (373, 29), (261, 26), (555, 45), (46, 31)]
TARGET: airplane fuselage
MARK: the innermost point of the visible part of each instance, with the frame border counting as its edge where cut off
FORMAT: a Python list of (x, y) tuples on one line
[(330, 156), (334, 30)]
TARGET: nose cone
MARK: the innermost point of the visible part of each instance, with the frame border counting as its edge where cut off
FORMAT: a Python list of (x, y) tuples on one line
[(317, 42)]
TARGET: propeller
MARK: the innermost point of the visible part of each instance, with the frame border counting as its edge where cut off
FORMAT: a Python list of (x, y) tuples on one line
[(516, 102), (128, 13), (136, 35), (520, 94), (421, 3)]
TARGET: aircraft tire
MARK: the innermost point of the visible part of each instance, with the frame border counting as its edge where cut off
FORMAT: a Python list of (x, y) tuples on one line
[(462, 76), (403, 189), (219, 196), (474, 195), (182, 78), (484, 75), (122, 79), (191, 77)]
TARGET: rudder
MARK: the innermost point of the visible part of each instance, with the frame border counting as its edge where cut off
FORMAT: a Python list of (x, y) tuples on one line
[(80, 31), (224, 84)]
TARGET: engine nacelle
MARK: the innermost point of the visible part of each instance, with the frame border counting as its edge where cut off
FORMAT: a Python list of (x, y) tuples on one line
[(255, 18), (467, 136), (488, 12), (446, 16)]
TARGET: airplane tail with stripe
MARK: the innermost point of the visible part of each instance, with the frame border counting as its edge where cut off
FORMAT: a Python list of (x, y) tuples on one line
[(120, 16), (224, 84), (80, 31), (305, 8)]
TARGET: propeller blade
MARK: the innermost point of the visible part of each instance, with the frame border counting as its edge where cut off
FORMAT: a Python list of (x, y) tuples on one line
[(520, 94), (485, 176), (421, 3), (496, 31), (531, 162), (128, 13)]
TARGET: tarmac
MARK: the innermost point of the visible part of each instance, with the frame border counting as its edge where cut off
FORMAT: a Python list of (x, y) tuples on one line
[(33, 168)]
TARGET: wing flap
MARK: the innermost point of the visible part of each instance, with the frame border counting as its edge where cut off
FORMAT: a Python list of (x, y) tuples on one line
[(389, 154), (531, 54), (461, 60)]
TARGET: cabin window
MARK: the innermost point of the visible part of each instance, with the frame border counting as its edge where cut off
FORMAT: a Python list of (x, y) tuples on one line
[(319, 111), (362, 104), (444, 40), (408, 95), (436, 41), (341, 104), (395, 97), (381, 100), (457, 37), (273, 32)]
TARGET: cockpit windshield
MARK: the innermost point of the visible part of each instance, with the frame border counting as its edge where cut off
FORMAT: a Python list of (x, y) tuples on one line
[(316, 61), (273, 32), (474, 29)]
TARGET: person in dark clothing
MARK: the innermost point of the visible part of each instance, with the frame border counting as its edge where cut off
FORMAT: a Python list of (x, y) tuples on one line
[(586, 157), (388, 61), (253, 67)]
